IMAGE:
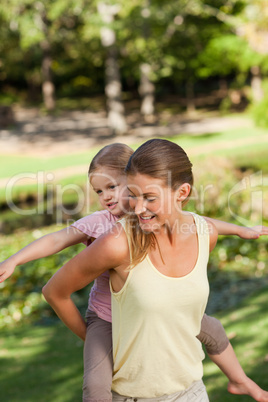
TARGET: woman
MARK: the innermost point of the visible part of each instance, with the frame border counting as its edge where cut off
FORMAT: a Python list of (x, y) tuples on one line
[(157, 260)]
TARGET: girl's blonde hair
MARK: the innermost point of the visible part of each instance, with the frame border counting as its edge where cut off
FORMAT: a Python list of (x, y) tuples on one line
[(159, 159), (114, 156)]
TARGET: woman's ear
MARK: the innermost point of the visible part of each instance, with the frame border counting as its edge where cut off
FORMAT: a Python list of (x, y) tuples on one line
[(183, 192)]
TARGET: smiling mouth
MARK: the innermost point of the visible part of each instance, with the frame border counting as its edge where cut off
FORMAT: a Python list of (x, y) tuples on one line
[(146, 218), (111, 204)]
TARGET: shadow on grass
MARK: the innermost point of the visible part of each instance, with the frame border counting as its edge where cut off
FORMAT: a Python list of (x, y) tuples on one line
[(45, 363), (247, 327), (42, 364)]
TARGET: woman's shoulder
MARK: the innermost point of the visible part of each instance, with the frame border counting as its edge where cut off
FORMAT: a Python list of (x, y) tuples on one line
[(114, 242)]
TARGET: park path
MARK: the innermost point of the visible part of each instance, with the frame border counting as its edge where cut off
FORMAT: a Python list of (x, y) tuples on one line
[(38, 135)]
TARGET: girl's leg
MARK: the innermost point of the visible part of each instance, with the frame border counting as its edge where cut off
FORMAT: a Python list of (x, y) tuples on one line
[(98, 360), (220, 351), (239, 383)]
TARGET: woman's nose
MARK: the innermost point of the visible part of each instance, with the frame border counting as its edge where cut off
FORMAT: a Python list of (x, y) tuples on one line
[(140, 207)]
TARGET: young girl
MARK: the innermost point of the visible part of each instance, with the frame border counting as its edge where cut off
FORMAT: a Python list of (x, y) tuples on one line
[(109, 181)]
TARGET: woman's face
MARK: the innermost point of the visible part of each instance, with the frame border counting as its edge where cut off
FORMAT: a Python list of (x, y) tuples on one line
[(155, 204)]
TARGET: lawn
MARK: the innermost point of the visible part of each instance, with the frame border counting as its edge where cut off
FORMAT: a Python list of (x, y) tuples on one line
[(14, 164), (246, 325), (44, 364), (244, 147)]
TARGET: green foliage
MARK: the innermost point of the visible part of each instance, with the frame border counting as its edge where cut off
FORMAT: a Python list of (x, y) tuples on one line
[(180, 41), (220, 56), (20, 297)]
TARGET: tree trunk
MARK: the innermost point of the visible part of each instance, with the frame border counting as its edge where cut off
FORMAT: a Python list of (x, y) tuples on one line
[(147, 91), (113, 88), (256, 84), (190, 97), (146, 88), (48, 88), (223, 86)]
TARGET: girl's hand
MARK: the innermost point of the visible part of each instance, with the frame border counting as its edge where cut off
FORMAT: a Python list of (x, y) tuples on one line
[(252, 233), (6, 269)]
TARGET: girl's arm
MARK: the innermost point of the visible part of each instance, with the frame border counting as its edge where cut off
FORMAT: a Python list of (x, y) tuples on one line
[(80, 271), (43, 247), (225, 228), (213, 234)]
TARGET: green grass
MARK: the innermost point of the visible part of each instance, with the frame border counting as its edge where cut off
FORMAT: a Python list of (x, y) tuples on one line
[(14, 164), (45, 363), (41, 364), (247, 325), (188, 141)]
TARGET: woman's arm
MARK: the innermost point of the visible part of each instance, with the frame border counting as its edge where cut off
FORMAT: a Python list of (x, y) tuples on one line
[(109, 251), (43, 247), (225, 228)]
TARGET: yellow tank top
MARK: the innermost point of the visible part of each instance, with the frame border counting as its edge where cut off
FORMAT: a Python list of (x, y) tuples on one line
[(156, 319)]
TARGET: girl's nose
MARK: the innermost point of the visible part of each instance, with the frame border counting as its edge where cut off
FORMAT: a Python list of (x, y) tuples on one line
[(107, 195)]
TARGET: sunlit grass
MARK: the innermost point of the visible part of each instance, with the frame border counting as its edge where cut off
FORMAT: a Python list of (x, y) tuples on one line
[(247, 326), (45, 363)]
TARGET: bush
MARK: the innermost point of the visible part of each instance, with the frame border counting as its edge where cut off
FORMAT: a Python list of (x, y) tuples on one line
[(21, 298)]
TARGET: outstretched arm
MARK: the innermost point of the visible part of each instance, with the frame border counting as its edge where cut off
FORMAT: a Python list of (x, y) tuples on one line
[(107, 252), (43, 247), (225, 228)]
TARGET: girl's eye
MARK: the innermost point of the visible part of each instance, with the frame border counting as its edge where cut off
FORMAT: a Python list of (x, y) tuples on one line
[(131, 196), (113, 186), (98, 192)]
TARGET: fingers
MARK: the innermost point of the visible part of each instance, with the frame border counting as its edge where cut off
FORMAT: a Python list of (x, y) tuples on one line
[(4, 274), (261, 230), (3, 277)]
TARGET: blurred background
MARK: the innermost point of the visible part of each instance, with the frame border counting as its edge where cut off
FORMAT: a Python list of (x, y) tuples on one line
[(78, 75)]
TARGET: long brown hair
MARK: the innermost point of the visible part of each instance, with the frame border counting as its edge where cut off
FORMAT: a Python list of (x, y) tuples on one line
[(159, 159)]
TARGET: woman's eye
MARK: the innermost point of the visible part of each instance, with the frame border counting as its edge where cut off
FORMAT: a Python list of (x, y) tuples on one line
[(151, 199)]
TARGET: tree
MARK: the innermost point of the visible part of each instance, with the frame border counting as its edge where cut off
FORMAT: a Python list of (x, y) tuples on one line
[(113, 88), (253, 28), (40, 26)]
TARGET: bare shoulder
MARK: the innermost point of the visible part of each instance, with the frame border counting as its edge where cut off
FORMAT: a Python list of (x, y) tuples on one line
[(213, 233), (114, 245)]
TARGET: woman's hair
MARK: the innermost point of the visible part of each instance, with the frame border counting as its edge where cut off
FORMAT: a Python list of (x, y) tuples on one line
[(159, 159), (114, 156)]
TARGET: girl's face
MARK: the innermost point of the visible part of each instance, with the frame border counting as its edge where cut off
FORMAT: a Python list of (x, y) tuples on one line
[(110, 185), (156, 205)]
